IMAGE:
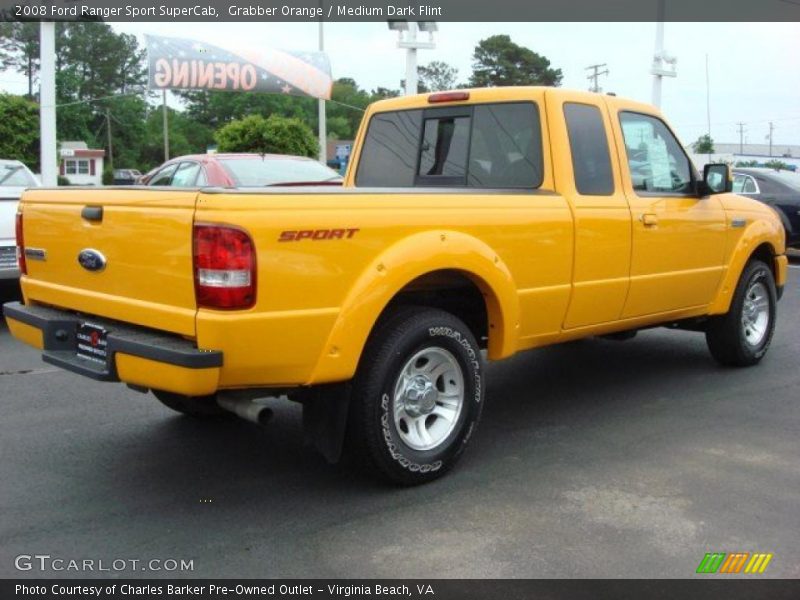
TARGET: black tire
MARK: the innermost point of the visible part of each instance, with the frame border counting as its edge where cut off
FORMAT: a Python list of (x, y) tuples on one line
[(375, 437), (729, 340), (203, 407)]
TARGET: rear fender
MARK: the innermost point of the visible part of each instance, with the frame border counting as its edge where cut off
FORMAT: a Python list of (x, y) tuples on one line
[(403, 262)]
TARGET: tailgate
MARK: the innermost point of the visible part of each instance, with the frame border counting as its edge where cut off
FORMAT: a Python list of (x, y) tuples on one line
[(135, 247)]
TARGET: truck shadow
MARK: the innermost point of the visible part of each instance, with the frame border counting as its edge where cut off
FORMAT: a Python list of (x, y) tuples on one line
[(561, 388)]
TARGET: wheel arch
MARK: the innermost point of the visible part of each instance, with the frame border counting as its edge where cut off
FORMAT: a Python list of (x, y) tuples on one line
[(761, 240), (424, 264)]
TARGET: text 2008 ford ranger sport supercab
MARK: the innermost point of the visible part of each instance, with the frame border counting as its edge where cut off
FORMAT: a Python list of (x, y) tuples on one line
[(504, 219)]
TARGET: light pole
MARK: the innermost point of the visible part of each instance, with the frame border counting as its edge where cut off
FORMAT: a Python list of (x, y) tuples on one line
[(407, 38), (661, 59)]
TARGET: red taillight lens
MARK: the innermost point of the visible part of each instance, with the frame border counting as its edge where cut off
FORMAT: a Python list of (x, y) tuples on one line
[(23, 266), (448, 97), (224, 267)]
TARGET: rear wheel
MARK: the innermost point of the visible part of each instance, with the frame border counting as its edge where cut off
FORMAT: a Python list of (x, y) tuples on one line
[(417, 396), (741, 337), (194, 406)]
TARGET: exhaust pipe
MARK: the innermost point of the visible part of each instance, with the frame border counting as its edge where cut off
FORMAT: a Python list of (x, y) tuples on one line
[(245, 407)]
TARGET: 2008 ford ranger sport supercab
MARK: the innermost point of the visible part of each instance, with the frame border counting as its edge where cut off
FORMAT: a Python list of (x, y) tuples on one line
[(500, 219)]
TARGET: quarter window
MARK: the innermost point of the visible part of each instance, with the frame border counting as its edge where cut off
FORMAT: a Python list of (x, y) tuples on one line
[(588, 142), (656, 160)]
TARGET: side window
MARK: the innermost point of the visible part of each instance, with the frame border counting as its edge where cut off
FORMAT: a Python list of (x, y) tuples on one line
[(163, 176), (443, 155), (202, 180), (588, 144), (738, 184), (185, 175), (656, 160), (506, 146), (750, 186), (389, 155)]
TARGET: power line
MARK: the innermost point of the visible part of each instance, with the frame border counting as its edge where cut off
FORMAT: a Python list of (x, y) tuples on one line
[(594, 77)]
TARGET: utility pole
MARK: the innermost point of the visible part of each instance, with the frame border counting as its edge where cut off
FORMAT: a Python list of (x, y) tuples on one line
[(771, 129), (594, 77), (741, 137), (110, 147), (322, 125), (47, 103), (166, 124)]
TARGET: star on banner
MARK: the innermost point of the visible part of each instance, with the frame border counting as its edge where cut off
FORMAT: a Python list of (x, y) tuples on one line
[(286, 88)]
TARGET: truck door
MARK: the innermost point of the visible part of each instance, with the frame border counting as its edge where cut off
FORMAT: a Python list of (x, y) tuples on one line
[(678, 238), (590, 180)]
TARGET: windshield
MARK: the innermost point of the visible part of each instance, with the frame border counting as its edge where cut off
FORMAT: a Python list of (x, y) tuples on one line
[(788, 178), (15, 176), (258, 172)]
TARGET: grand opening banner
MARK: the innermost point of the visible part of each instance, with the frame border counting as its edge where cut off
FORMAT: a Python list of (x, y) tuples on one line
[(185, 64)]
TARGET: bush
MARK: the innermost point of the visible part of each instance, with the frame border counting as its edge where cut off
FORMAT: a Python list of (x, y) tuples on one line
[(19, 130), (275, 135)]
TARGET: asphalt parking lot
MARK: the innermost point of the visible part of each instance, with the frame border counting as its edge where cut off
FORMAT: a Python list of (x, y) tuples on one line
[(594, 459)]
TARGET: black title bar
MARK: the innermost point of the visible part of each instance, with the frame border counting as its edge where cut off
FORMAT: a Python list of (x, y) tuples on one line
[(414, 10), (702, 587)]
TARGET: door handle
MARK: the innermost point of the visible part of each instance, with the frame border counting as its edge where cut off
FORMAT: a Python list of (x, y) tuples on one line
[(649, 220), (92, 213)]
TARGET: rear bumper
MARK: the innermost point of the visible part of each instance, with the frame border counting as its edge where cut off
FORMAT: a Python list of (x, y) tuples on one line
[(136, 355)]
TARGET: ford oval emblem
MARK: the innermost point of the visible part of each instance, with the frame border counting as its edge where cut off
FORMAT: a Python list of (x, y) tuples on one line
[(92, 260)]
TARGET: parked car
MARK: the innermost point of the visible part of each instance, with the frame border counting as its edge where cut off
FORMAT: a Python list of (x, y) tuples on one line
[(126, 176), (778, 189), (15, 177), (241, 170)]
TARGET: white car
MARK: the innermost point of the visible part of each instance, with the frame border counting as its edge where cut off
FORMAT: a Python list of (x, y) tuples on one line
[(15, 177)]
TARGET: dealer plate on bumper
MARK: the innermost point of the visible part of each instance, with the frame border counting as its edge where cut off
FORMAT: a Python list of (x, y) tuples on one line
[(91, 343)]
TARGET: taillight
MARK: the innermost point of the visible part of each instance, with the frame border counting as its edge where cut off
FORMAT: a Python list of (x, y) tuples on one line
[(23, 266), (448, 97), (224, 267)]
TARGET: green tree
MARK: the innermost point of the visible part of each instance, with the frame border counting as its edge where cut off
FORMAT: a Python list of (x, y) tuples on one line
[(19, 49), (497, 61), (19, 130), (703, 145), (436, 76), (274, 135)]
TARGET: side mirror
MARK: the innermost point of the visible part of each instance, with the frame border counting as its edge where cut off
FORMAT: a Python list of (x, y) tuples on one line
[(716, 180)]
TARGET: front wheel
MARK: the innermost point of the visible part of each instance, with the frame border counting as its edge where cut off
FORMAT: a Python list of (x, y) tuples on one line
[(417, 396), (741, 337)]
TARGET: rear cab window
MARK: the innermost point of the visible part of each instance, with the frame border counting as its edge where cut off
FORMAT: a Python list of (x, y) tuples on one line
[(496, 145)]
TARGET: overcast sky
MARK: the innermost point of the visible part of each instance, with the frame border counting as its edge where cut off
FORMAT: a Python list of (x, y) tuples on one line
[(754, 67)]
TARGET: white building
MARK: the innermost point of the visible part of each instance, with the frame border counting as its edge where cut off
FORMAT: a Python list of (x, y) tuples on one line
[(80, 164)]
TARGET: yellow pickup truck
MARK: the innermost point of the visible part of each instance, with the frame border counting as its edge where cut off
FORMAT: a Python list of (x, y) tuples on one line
[(493, 220)]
